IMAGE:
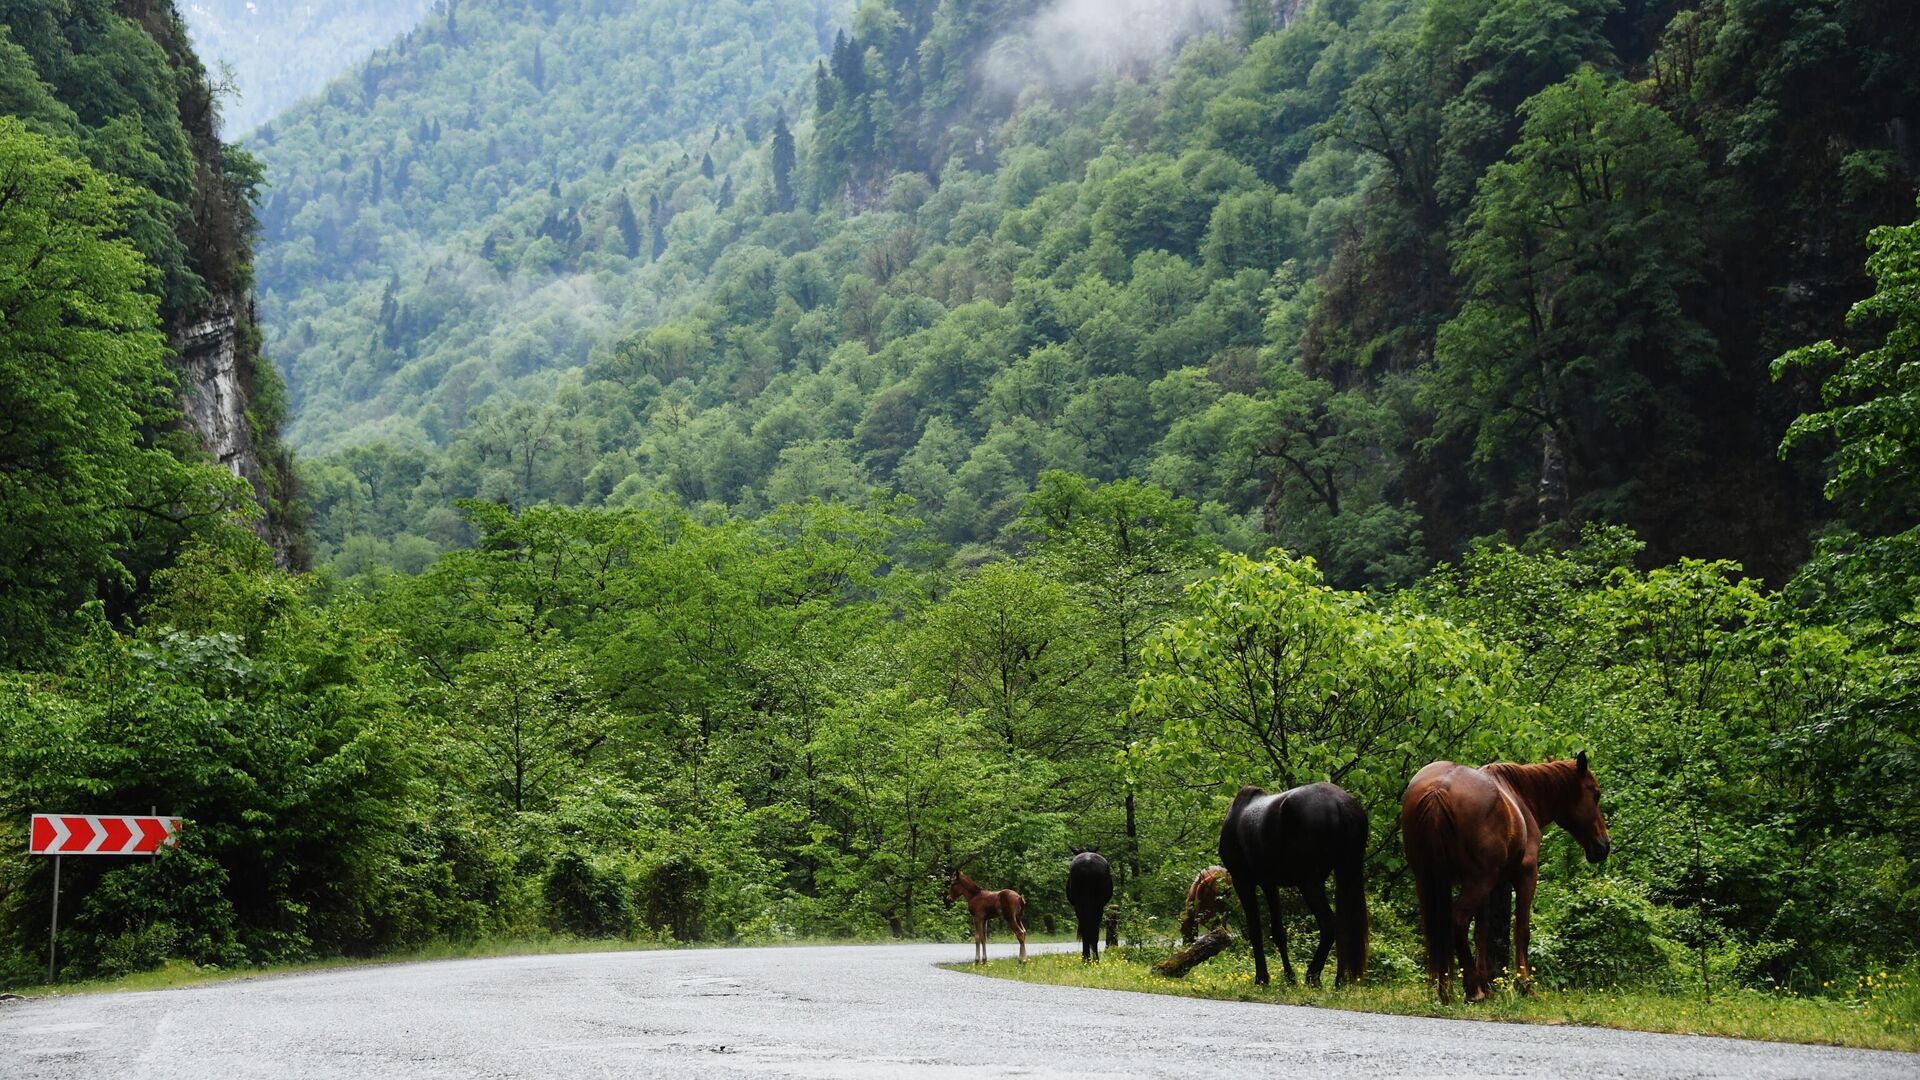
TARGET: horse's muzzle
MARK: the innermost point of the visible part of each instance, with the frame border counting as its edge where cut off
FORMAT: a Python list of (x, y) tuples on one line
[(1598, 850)]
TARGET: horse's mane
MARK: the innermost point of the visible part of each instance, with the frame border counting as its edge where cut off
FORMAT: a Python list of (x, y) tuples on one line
[(961, 877), (1545, 785)]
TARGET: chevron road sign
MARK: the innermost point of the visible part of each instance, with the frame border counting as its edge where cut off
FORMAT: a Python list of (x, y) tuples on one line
[(92, 834)]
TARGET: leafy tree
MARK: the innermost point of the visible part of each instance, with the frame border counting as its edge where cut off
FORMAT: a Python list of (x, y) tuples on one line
[(1871, 396), (530, 720), (1580, 253), (83, 366), (1274, 679)]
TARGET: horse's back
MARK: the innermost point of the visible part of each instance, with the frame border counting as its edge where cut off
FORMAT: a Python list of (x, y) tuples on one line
[(1299, 833), (1457, 816)]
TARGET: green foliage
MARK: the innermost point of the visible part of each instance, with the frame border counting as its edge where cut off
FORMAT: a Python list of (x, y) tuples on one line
[(1273, 678), (1606, 935), (1871, 396), (1579, 251), (82, 365)]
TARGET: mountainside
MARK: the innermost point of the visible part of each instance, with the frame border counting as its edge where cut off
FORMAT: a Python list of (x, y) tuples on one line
[(1283, 259), (280, 51), (121, 82), (464, 212), (140, 414)]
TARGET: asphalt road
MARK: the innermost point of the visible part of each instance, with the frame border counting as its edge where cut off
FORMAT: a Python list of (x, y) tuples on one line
[(875, 1011)]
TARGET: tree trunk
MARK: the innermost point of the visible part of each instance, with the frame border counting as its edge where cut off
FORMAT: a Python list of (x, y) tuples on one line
[(1553, 478), (1185, 960)]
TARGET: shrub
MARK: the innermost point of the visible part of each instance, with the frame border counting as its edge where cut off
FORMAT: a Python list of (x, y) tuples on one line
[(1605, 934)]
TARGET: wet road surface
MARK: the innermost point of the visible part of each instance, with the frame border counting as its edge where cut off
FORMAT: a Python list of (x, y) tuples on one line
[(843, 1011)]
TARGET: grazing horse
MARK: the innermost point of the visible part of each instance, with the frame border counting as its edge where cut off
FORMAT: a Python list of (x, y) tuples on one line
[(1479, 829), (983, 905), (1089, 887), (1297, 838), (1204, 903)]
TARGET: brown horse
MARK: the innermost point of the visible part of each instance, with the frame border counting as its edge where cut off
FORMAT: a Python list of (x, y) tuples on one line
[(1479, 829), (983, 905), (1204, 902)]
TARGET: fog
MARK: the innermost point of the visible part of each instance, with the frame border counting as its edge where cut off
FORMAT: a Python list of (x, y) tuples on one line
[(1072, 43)]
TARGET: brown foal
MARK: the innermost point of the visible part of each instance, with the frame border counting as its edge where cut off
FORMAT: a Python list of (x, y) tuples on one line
[(983, 905)]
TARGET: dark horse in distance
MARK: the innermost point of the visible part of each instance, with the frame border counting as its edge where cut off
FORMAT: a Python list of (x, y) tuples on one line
[(1297, 838), (1089, 887), (984, 904), (1479, 829)]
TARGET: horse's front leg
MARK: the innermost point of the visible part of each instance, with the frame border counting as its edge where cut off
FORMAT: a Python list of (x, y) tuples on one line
[(1523, 925), (979, 940), (1280, 933)]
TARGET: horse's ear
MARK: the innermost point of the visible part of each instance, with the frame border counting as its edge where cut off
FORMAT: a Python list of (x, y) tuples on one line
[(1580, 759)]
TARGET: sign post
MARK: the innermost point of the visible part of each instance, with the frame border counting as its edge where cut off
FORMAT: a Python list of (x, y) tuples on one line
[(93, 834), (53, 932)]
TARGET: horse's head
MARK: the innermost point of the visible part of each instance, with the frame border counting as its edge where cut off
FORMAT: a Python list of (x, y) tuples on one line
[(1583, 817), (955, 890)]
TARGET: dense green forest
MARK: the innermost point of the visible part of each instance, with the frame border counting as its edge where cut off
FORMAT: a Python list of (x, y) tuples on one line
[(279, 51), (464, 212), (746, 491)]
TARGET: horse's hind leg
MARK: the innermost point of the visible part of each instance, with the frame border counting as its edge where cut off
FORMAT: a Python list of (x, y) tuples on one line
[(1020, 931), (1315, 894), (1280, 933), (1256, 934), (1469, 907)]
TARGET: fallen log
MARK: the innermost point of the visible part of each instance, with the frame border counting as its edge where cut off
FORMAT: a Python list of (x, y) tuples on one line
[(1192, 956)]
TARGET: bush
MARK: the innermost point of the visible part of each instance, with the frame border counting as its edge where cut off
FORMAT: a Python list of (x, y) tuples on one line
[(1606, 934), (672, 896), (138, 950), (589, 895)]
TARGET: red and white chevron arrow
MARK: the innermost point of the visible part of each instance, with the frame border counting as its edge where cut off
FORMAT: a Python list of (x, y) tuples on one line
[(93, 834)]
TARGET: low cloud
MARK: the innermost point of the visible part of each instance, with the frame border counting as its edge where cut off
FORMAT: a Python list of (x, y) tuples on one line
[(1074, 43)]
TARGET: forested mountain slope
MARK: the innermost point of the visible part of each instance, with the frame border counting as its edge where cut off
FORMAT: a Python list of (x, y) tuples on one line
[(494, 167), (1299, 273), (103, 479), (280, 51)]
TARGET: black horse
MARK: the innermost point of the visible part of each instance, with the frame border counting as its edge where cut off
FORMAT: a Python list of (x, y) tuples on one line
[(1297, 838), (1089, 887)]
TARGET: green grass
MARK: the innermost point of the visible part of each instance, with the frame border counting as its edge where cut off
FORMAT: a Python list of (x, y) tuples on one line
[(1883, 1012)]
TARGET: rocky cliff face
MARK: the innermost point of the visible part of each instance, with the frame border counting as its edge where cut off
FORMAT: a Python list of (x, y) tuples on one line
[(216, 371), (229, 392)]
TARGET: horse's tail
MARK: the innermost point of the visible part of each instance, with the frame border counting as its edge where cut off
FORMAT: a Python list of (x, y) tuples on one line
[(1190, 922), (1436, 912), (1016, 906), (1350, 911)]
